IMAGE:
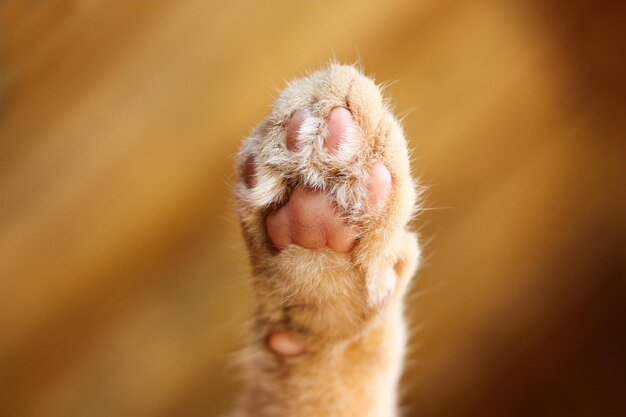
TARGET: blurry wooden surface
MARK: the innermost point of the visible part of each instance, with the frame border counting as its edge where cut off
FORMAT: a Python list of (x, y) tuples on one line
[(123, 288)]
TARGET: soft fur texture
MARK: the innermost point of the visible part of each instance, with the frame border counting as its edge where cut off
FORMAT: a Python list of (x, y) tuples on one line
[(345, 308)]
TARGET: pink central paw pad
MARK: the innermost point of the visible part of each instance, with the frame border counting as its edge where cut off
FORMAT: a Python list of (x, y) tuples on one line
[(310, 219)]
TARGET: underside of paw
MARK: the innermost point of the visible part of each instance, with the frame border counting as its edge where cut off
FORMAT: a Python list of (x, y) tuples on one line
[(324, 195)]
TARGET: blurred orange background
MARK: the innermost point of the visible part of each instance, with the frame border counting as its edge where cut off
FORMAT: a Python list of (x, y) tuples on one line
[(123, 275)]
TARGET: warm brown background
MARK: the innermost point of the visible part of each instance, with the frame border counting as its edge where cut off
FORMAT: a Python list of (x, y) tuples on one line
[(123, 287)]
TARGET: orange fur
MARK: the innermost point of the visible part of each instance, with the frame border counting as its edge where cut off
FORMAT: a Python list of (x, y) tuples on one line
[(345, 308)]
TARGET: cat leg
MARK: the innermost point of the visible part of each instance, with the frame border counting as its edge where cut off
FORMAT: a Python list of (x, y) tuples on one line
[(323, 196)]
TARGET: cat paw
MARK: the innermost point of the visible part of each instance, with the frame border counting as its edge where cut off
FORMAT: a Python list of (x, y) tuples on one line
[(324, 193)]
